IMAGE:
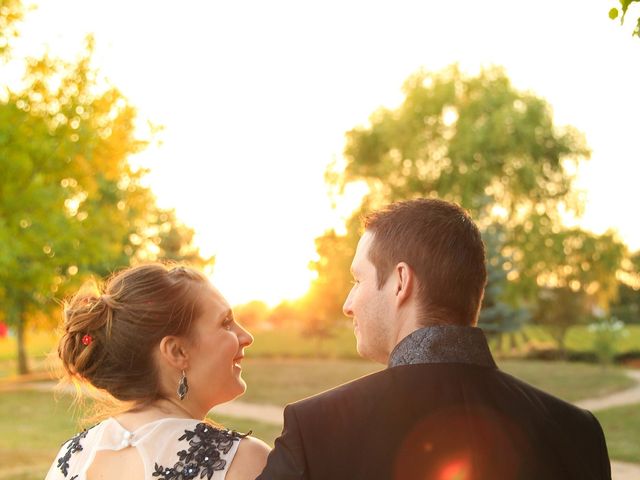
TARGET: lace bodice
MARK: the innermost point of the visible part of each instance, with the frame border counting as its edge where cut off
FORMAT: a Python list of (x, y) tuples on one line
[(170, 449)]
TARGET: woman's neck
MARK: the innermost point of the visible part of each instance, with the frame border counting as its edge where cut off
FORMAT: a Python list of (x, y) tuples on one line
[(162, 408), (176, 408)]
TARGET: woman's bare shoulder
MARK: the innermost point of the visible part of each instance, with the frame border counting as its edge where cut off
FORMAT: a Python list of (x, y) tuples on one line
[(249, 460)]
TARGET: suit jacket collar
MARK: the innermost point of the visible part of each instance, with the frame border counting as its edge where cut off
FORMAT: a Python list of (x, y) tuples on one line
[(443, 344)]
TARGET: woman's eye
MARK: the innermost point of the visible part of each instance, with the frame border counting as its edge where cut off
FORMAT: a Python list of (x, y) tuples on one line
[(228, 323)]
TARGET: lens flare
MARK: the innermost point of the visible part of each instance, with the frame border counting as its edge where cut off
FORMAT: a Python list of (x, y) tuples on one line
[(459, 469)]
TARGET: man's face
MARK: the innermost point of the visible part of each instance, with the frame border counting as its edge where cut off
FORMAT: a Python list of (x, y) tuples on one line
[(370, 307)]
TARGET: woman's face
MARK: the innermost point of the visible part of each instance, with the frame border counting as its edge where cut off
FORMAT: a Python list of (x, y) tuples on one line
[(215, 351)]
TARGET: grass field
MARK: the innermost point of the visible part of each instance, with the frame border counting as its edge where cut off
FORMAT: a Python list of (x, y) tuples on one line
[(621, 427), (578, 339), (280, 381), (28, 446), (280, 368), (34, 424), (570, 381)]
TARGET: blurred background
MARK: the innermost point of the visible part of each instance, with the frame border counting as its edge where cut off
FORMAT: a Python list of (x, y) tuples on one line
[(248, 138)]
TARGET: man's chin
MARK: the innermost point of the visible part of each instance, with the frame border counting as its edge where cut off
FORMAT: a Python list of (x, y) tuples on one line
[(370, 354), (363, 351)]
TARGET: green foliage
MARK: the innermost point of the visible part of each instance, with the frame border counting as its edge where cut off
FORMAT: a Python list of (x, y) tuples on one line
[(71, 205), (11, 12), (627, 306), (283, 315), (607, 333), (498, 315), (479, 142), (321, 308), (473, 140), (67, 194), (560, 308), (251, 313), (570, 257), (624, 6), (168, 239)]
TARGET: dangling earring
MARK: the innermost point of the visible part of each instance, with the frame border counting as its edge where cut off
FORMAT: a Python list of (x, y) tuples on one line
[(183, 386)]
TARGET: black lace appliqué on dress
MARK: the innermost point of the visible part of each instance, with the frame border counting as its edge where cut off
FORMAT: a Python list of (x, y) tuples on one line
[(206, 443), (72, 447)]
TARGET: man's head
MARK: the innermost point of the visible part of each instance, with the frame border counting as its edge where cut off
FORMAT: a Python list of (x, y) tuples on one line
[(419, 262)]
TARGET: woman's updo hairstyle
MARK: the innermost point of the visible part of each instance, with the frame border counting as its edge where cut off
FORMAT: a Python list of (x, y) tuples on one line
[(109, 334)]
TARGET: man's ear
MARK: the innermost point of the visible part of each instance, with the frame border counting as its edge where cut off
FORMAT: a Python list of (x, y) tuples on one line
[(405, 282), (173, 350)]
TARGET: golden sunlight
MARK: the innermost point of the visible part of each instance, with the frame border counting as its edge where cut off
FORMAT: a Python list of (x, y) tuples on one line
[(254, 111)]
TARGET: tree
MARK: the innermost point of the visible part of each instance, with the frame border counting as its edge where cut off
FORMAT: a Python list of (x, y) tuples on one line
[(11, 12), (284, 315), (322, 305), (251, 314), (499, 316), (70, 203), (624, 7), (626, 306), (173, 241), (473, 140), (479, 142), (560, 308), (582, 281)]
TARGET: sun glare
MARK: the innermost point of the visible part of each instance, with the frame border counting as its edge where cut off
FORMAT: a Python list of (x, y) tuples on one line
[(254, 111)]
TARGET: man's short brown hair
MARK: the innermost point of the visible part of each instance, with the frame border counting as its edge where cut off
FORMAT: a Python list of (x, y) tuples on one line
[(443, 246)]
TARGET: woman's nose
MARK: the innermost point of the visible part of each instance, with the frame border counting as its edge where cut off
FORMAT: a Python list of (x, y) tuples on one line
[(244, 337)]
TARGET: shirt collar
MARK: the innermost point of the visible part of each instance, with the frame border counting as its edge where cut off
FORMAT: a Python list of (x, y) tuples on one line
[(443, 344)]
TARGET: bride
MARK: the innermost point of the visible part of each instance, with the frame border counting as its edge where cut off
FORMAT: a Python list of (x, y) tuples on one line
[(162, 341)]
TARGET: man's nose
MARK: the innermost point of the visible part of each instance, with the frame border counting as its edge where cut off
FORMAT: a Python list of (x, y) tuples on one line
[(346, 308)]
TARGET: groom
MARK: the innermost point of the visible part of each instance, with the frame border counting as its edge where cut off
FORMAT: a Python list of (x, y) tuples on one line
[(441, 409)]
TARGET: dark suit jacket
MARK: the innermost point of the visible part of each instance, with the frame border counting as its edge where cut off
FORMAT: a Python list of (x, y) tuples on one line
[(438, 421)]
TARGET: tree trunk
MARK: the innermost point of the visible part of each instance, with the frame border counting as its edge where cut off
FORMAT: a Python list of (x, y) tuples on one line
[(561, 337), (18, 323)]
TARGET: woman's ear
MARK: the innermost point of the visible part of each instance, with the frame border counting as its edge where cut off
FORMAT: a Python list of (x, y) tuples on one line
[(173, 351), (405, 280)]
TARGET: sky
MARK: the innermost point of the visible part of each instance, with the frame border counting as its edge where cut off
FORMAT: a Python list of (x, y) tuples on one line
[(255, 98)]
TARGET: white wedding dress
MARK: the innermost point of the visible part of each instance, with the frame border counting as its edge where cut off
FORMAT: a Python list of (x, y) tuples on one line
[(170, 449)]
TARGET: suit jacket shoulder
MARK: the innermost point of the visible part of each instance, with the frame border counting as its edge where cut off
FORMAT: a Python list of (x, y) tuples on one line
[(404, 422)]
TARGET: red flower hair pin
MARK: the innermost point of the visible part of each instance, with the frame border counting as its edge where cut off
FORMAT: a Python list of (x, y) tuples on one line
[(87, 339)]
